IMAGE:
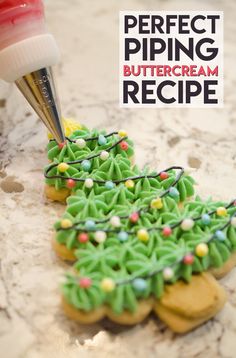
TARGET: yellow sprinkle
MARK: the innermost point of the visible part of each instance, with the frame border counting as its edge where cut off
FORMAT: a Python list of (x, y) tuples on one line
[(107, 285), (157, 203), (143, 235), (122, 133), (201, 250), (221, 211), (62, 167), (129, 184), (66, 223)]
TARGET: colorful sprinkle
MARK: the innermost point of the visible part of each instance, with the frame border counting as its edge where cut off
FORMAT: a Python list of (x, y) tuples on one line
[(102, 140), (62, 167), (187, 224), (134, 217), (61, 145), (188, 259), (108, 285), (66, 223), (139, 284), (85, 282), (167, 231), (201, 250), (104, 155), (164, 175), (168, 273), (100, 236), (122, 236), (80, 143), (70, 183), (206, 219), (83, 237), (173, 192), (109, 185), (115, 221), (157, 203), (124, 145), (122, 133), (221, 211), (88, 183), (129, 184), (90, 225), (220, 235), (143, 235), (86, 165)]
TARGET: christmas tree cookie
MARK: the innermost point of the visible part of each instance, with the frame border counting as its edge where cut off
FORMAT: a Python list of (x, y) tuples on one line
[(139, 245)]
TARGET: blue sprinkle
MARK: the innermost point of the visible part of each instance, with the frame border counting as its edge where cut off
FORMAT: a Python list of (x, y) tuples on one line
[(122, 236), (101, 139), (109, 185), (90, 225), (86, 165), (206, 219), (220, 235), (139, 284), (173, 192)]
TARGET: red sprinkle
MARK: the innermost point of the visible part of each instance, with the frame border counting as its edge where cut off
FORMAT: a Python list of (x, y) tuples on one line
[(70, 183), (188, 259), (85, 282), (134, 217), (164, 175), (124, 145), (83, 237), (167, 231), (61, 145)]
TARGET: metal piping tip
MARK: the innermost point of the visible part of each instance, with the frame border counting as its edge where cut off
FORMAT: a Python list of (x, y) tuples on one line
[(39, 89)]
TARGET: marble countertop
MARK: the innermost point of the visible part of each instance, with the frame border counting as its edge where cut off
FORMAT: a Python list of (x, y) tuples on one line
[(32, 324)]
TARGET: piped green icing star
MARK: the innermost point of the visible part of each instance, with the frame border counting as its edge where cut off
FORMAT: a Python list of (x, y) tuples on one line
[(83, 206)]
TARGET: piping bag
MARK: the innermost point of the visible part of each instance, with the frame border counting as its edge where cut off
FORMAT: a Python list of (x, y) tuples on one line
[(27, 52)]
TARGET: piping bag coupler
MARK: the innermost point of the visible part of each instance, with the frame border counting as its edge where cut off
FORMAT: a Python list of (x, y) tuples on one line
[(27, 52)]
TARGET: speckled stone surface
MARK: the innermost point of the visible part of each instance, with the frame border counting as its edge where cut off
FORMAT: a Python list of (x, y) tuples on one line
[(31, 322)]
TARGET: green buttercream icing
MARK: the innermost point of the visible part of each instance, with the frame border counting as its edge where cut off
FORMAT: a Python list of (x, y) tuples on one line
[(125, 258)]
